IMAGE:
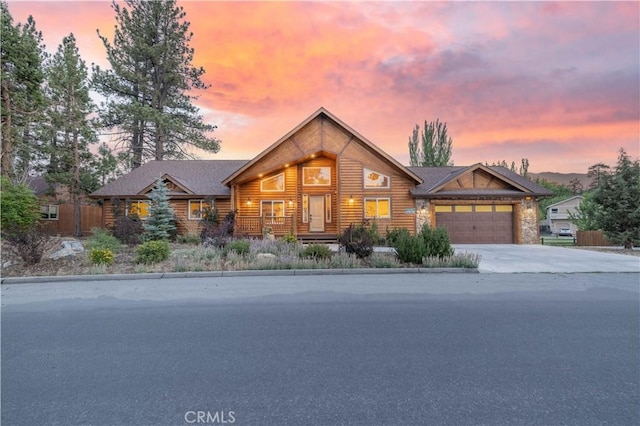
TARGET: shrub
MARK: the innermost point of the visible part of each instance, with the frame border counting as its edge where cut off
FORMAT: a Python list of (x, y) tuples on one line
[(410, 248), (241, 247), (128, 229), (29, 245), (192, 239), (101, 256), (219, 235), (395, 234), (358, 239), (464, 260), (20, 210), (152, 252), (316, 251), (102, 239), (289, 238), (436, 241), (161, 222)]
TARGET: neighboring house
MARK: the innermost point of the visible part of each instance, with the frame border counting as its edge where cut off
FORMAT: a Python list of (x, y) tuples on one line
[(322, 176), (558, 215), (56, 208)]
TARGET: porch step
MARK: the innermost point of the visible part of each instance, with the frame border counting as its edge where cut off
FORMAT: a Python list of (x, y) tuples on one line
[(318, 238)]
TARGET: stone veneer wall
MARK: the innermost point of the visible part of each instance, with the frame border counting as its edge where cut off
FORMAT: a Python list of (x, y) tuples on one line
[(529, 222), (423, 214)]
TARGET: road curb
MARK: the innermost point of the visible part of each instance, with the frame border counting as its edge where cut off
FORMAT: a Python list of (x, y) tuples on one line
[(246, 273)]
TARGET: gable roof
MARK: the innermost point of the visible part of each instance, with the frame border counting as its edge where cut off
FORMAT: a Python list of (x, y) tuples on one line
[(559, 203), (319, 113), (198, 177), (436, 178)]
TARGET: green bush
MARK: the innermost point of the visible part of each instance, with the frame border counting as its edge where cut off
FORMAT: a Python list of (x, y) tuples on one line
[(316, 251), (152, 252), (289, 238), (410, 248), (395, 234), (20, 210), (102, 239), (430, 243), (436, 241), (241, 247), (101, 256), (358, 239)]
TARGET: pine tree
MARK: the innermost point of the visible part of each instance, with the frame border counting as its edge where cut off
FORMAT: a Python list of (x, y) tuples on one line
[(22, 98), (161, 221), (70, 129), (433, 148), (148, 85), (618, 196)]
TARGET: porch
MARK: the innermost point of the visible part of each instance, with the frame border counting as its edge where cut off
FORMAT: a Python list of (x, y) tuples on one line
[(254, 226)]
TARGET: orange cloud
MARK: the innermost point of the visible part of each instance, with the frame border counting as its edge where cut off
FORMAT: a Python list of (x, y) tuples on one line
[(546, 81)]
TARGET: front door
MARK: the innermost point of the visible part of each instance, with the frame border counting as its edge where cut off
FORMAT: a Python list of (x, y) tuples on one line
[(316, 213)]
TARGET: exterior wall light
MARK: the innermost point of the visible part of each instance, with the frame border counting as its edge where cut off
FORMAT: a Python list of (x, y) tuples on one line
[(249, 201), (351, 200)]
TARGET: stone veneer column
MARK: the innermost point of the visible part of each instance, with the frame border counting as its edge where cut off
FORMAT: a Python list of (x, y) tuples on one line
[(423, 214), (529, 222)]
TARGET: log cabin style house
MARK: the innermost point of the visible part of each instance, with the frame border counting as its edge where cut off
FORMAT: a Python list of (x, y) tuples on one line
[(323, 176)]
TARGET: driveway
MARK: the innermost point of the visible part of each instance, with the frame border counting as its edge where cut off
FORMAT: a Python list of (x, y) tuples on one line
[(509, 258)]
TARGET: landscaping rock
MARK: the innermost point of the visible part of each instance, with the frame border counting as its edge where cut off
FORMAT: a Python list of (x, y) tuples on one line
[(62, 253), (74, 245)]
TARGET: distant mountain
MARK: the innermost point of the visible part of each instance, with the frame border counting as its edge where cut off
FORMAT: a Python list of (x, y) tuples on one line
[(562, 178)]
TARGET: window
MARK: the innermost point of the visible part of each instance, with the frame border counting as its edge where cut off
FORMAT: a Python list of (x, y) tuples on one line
[(272, 209), (377, 208), (49, 212), (373, 179), (196, 208), (139, 208), (305, 208), (554, 210), (273, 184), (327, 206)]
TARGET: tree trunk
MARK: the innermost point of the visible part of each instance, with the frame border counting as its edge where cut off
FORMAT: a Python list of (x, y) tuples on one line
[(6, 131), (77, 213)]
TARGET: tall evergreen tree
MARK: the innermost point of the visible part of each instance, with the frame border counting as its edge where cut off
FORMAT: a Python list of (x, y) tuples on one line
[(149, 104), (22, 99), (431, 147), (70, 129), (618, 196), (161, 221)]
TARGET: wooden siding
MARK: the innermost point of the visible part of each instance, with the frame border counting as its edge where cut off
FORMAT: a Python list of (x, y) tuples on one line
[(181, 209)]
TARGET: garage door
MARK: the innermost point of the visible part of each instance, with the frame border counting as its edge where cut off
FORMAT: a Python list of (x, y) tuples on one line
[(477, 224)]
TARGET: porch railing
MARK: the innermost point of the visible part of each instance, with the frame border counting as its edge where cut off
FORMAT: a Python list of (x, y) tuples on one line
[(254, 225)]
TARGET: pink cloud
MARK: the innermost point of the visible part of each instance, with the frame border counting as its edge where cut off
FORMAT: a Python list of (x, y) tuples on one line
[(532, 80)]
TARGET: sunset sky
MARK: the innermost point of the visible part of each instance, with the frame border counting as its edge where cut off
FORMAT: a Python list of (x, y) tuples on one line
[(555, 82)]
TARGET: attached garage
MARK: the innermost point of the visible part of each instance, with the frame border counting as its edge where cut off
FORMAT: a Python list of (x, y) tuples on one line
[(477, 223)]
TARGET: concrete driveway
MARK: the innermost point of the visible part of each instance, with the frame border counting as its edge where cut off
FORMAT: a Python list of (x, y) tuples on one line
[(505, 258)]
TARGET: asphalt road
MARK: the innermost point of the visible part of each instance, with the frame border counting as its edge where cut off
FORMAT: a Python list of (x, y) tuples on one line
[(399, 349)]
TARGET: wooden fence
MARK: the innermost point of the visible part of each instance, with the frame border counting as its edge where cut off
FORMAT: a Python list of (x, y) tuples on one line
[(91, 218), (592, 238)]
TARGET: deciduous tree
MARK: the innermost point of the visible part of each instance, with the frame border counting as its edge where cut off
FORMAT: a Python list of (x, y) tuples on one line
[(432, 147)]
